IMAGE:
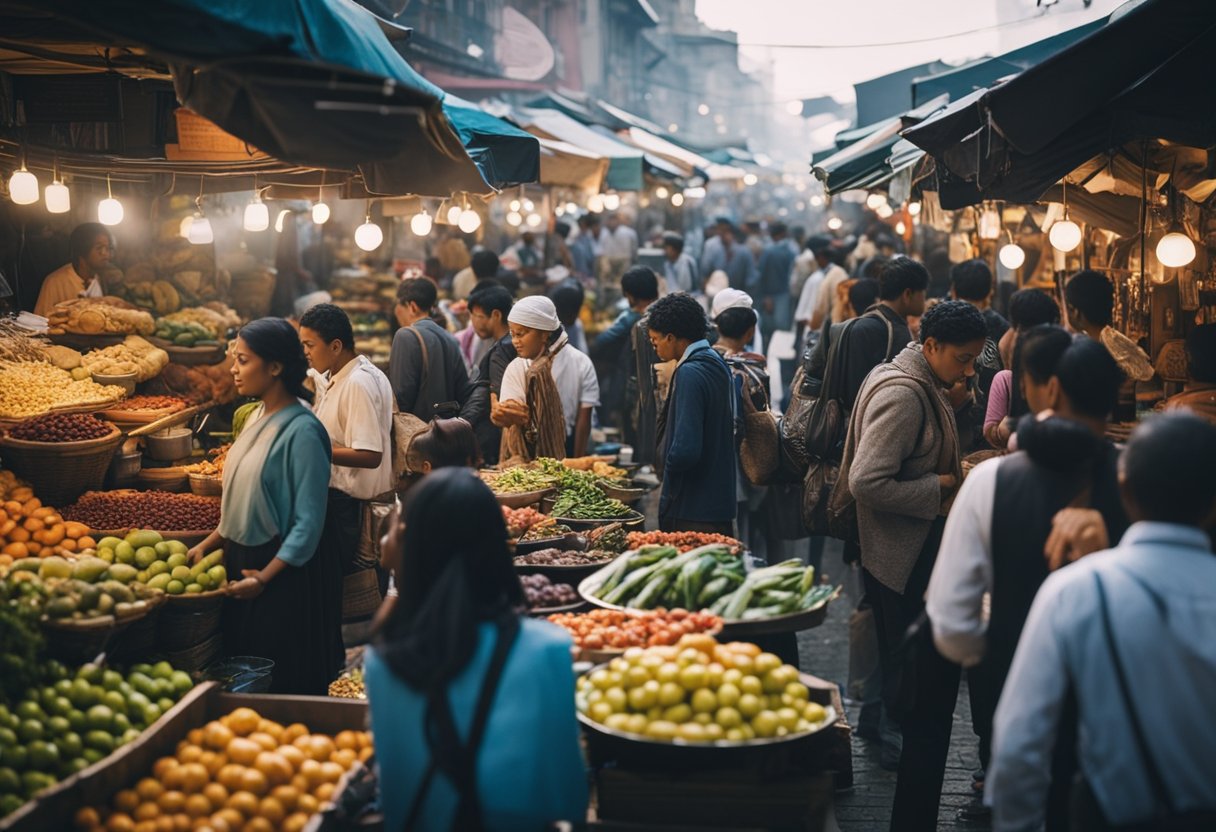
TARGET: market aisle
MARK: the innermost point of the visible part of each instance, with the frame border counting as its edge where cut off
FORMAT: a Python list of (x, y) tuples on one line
[(824, 652)]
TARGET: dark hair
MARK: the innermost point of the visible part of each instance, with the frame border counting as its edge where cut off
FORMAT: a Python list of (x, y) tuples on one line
[(778, 229), (275, 341), (736, 321), (1168, 467), (677, 314), (972, 280), (1087, 372), (567, 298), (872, 268), (81, 240), (640, 283), (952, 322), (1201, 354), (675, 241), (509, 280), (446, 443), (1093, 296), (331, 323), (456, 573), (818, 243), (900, 274), (419, 290), (484, 263), (432, 265), (561, 229), (863, 294), (492, 299), (1032, 307)]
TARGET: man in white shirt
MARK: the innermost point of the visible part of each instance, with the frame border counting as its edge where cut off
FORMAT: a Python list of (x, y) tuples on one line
[(618, 251), (355, 404), (815, 302), (91, 246)]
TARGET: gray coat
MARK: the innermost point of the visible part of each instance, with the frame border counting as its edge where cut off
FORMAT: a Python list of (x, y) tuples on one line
[(894, 471)]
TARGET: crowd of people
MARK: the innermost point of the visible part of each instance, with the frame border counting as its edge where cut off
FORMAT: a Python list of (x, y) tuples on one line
[(1047, 573)]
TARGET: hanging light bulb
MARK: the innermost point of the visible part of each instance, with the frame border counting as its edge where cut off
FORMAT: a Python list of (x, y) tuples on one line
[(280, 219), (571, 208), (184, 228), (1065, 235), (533, 220), (873, 201), (885, 211), (470, 221), (257, 214), (560, 210), (369, 236), (1175, 249), (900, 228), (914, 208), (595, 203), (23, 187), (515, 205), (1012, 256), (529, 205), (835, 223), (750, 179), (200, 231), (677, 199), (816, 200), (990, 223), (515, 219), (421, 223), (58, 198), (612, 201), (453, 214), (660, 192), (109, 210), (320, 211)]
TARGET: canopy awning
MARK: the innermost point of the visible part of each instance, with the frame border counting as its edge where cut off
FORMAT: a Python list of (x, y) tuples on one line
[(565, 165), (693, 164), (1137, 78), (503, 153), (625, 168), (865, 162)]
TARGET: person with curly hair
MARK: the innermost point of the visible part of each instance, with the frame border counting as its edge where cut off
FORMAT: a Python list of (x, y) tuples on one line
[(901, 465), (696, 442)]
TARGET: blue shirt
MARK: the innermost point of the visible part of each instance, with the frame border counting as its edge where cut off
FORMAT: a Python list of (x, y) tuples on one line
[(775, 266), (1160, 584), (530, 771)]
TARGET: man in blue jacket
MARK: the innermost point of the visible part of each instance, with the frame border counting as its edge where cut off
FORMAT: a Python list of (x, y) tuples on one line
[(696, 440)]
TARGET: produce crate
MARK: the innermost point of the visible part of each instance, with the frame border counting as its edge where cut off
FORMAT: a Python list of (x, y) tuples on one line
[(53, 809)]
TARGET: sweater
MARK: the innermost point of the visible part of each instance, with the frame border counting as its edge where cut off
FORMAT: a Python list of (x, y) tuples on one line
[(697, 441), (445, 378), (893, 474)]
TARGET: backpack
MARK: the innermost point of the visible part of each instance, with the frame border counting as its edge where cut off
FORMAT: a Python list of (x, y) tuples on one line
[(757, 427)]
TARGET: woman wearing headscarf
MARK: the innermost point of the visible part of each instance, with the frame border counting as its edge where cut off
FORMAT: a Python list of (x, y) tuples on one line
[(284, 599), (547, 392)]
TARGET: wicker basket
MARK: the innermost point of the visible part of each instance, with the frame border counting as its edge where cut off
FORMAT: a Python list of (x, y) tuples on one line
[(137, 641), (360, 595), (183, 626), (206, 486), (197, 657), (61, 471)]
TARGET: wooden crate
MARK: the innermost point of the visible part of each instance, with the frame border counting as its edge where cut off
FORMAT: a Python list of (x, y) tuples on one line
[(54, 808)]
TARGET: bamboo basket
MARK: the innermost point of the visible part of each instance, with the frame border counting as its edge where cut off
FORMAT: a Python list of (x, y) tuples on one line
[(61, 471), (206, 486), (183, 626), (197, 657)]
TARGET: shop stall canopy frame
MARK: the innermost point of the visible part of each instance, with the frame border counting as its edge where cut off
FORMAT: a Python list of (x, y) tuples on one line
[(1137, 79), (625, 162), (314, 84)]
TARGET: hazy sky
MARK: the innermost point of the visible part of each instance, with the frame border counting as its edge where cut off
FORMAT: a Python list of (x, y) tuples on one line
[(800, 73)]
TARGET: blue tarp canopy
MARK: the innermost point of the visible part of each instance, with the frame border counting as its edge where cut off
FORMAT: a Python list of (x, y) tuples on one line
[(866, 162), (503, 153)]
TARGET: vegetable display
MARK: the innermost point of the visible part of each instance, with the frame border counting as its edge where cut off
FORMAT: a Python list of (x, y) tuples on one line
[(348, 686), (710, 577), (145, 509), (541, 593), (556, 557), (699, 691), (587, 502), (681, 540), (519, 520), (617, 630), (61, 427), (545, 530), (518, 481)]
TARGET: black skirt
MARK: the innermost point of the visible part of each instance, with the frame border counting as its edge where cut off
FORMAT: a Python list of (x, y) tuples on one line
[(296, 622)]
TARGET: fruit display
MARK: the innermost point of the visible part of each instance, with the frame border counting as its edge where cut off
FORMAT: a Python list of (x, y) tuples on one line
[(699, 691), (145, 509), (61, 427), (185, 333), (541, 593), (159, 296), (519, 520), (99, 316), (237, 772), (683, 541), (133, 355), (137, 404), (33, 388), (617, 630), (556, 557), (73, 719), (545, 530), (77, 590), (161, 564), (216, 320), (348, 686), (209, 382), (710, 577), (28, 528)]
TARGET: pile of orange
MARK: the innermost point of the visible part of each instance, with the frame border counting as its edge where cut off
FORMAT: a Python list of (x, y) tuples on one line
[(240, 773), (30, 529)]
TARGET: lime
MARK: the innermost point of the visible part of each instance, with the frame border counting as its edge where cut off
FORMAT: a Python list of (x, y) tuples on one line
[(143, 684), (100, 741), (175, 587), (73, 766), (29, 730), (78, 721), (164, 686), (44, 756), (124, 552), (111, 679), (203, 580), (35, 781), (164, 703), (122, 724), (70, 744), (62, 706), (176, 559), (163, 549), (181, 681), (47, 697), (82, 694), (92, 755), (151, 713), (145, 669), (178, 548), (91, 673), (63, 687), (136, 702), (106, 554), (101, 718), (58, 726), (218, 575), (115, 700), (157, 568), (7, 737), (10, 781), (10, 803), (14, 757), (145, 556), (194, 588), (130, 735), (181, 573)]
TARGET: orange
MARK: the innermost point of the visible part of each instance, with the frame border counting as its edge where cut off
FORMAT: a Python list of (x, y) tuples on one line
[(263, 739), (182, 822), (259, 825), (145, 826), (230, 816), (87, 818), (214, 762), (243, 721), (269, 726), (126, 801), (230, 776), (347, 739), (292, 755), (344, 757), (164, 823), (172, 802), (293, 732), (147, 811), (319, 747), (287, 795), (324, 792), (294, 823), (194, 777), (217, 735), (300, 783), (120, 822), (243, 802), (173, 779), (277, 770), (195, 737), (189, 754), (308, 804), (198, 806), (162, 766), (272, 810), (149, 789), (366, 754), (312, 770), (331, 772), (243, 751), (254, 781), (216, 794)]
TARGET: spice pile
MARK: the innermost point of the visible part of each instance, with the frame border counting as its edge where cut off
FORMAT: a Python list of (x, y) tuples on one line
[(62, 427), (168, 404), (145, 510), (617, 630), (348, 686)]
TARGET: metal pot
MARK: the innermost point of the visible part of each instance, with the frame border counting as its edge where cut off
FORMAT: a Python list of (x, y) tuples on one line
[(169, 444)]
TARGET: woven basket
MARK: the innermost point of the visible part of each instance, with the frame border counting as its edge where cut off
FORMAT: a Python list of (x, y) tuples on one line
[(138, 641), (360, 595), (61, 471), (197, 657), (185, 626), (206, 486)]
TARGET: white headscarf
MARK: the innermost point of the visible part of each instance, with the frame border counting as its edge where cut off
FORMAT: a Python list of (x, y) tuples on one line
[(730, 299), (535, 312)]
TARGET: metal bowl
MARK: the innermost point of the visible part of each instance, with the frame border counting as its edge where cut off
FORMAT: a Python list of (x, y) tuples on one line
[(169, 444), (126, 381), (521, 499), (572, 542), (632, 520)]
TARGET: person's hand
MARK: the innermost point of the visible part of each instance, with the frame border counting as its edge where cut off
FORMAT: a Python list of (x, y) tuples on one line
[(196, 553), (1075, 533), (508, 413), (248, 587), (947, 482)]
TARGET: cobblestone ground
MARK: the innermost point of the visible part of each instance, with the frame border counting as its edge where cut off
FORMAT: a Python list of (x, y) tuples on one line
[(824, 652)]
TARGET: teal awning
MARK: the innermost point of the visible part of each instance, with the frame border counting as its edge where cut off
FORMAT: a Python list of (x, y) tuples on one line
[(625, 162), (503, 153)]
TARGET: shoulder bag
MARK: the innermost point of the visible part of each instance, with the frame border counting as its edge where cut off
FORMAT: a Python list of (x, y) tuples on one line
[(759, 452), (406, 425)]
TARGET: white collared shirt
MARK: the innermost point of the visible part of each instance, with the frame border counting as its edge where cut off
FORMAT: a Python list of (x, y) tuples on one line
[(356, 408)]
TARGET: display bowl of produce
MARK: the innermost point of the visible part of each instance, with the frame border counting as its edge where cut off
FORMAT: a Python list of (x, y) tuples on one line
[(522, 499), (602, 635), (169, 444), (184, 517), (549, 534), (144, 409), (631, 519), (205, 485), (751, 601), (563, 566), (61, 454), (762, 712), (520, 520), (544, 597), (681, 541), (627, 495), (126, 381)]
